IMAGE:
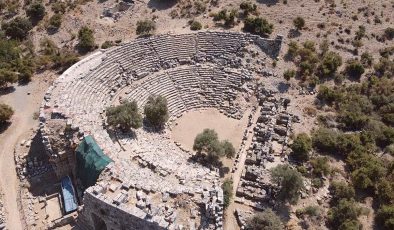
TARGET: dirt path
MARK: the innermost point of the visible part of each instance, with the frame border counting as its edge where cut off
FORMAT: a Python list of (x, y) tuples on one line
[(22, 123), (231, 223)]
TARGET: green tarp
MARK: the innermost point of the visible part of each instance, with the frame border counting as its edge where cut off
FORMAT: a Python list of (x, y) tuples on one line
[(90, 161)]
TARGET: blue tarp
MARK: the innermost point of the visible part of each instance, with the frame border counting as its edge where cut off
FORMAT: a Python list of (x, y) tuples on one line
[(68, 192)]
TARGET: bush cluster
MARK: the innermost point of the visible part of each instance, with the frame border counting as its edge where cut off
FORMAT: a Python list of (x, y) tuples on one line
[(314, 66), (18, 28), (145, 27), (366, 110), (86, 39), (6, 113), (227, 16), (258, 25), (15, 65)]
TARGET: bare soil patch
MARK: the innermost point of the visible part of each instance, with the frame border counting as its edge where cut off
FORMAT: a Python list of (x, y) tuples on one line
[(194, 122)]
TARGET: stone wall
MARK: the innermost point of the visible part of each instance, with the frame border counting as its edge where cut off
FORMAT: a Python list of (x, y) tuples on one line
[(96, 211)]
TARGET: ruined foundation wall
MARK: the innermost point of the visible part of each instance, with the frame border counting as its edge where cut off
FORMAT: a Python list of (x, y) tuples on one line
[(96, 210)]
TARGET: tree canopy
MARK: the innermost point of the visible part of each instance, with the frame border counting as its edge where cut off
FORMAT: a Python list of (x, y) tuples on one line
[(6, 113), (208, 143), (156, 111), (125, 116), (290, 183)]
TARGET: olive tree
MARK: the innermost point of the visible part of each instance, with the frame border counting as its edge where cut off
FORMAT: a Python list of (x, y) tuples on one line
[(208, 143), (289, 181), (156, 111), (125, 116)]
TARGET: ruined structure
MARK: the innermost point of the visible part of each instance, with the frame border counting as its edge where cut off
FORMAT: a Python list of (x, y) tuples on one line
[(151, 183)]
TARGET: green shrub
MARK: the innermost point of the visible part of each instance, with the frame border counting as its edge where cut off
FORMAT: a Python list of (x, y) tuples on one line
[(156, 111), (317, 182), (331, 62), (290, 183), (384, 68), (228, 148), (107, 44), (86, 39), (145, 27), (366, 170), (366, 59), (385, 217), (195, 25), (36, 11), (125, 116), (299, 23), (227, 17), (288, 74), (385, 190), (344, 215), (360, 33), (18, 28), (55, 22), (328, 95), (248, 8), (320, 166), (311, 210), (293, 49), (354, 69), (341, 190), (6, 113), (59, 7), (258, 26), (266, 220), (301, 147), (7, 77), (227, 187), (389, 33), (325, 140)]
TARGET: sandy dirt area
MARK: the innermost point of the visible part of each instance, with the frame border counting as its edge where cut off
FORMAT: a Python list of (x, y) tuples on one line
[(194, 122), (25, 100)]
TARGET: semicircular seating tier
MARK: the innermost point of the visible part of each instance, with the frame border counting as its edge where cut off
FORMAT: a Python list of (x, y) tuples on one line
[(198, 70)]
